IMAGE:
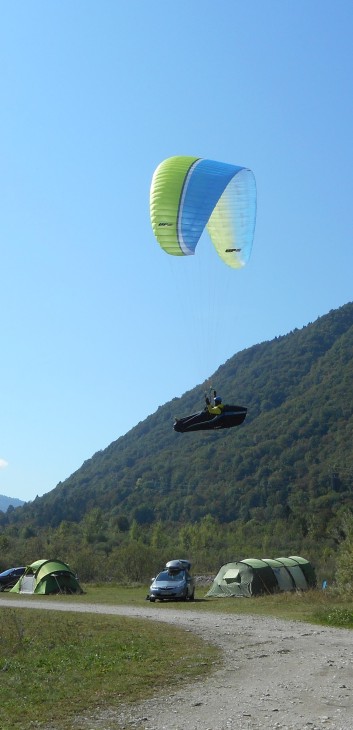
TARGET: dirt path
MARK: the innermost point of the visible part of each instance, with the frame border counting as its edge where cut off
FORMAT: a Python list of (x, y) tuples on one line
[(277, 675)]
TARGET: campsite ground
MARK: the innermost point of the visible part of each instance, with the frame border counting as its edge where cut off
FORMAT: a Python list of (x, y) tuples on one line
[(276, 675)]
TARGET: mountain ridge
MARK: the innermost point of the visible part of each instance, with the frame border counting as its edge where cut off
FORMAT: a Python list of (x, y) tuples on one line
[(6, 502), (264, 374), (286, 474)]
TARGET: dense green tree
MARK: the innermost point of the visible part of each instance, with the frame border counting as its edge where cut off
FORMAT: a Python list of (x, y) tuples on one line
[(345, 555)]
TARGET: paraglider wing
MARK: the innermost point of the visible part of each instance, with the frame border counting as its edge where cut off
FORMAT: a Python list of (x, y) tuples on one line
[(205, 421), (232, 224), (189, 194)]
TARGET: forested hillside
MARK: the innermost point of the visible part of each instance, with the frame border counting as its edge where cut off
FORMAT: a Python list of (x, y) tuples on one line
[(279, 483)]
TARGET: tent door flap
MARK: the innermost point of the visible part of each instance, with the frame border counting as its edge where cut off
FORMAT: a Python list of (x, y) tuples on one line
[(27, 584)]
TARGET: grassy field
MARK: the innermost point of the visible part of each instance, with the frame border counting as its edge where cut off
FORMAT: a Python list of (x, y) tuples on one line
[(56, 667), (46, 656), (316, 606)]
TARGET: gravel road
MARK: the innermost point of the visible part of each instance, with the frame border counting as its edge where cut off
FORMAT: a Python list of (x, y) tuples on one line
[(276, 675)]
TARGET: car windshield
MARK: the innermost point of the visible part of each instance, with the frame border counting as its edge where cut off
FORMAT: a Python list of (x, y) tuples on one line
[(166, 576)]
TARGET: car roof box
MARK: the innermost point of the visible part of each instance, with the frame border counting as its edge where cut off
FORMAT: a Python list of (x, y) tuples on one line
[(179, 564)]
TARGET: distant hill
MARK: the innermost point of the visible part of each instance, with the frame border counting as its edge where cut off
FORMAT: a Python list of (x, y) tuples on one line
[(6, 502), (288, 468)]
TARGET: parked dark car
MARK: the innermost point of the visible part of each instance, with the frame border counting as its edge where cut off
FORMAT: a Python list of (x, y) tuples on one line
[(173, 583), (8, 578)]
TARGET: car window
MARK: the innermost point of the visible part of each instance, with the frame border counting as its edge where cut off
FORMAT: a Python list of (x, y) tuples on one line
[(165, 575)]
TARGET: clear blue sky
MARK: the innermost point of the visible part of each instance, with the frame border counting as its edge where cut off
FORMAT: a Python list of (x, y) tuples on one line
[(98, 325)]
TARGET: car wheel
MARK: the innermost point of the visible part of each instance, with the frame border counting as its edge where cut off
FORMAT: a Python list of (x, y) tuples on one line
[(152, 599)]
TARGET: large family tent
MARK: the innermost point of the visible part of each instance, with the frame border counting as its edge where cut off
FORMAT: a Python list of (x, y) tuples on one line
[(298, 571), (307, 569), (283, 577), (47, 576), (254, 577)]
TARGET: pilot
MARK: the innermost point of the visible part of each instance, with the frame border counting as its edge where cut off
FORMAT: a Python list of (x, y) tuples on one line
[(217, 407)]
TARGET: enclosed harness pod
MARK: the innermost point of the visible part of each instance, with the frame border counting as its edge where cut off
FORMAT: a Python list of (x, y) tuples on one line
[(204, 421)]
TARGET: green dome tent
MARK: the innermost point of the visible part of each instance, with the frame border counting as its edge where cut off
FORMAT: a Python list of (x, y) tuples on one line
[(47, 576), (253, 577)]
